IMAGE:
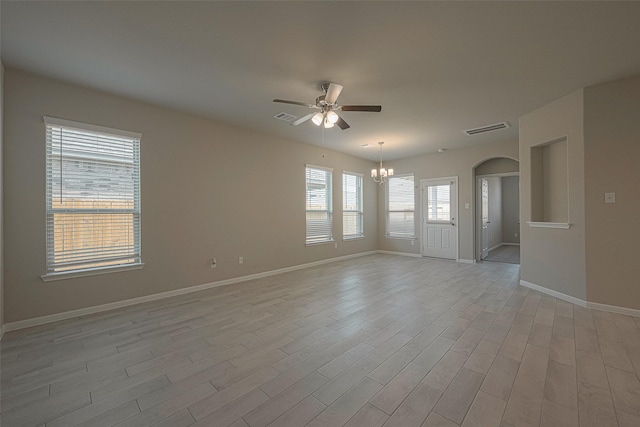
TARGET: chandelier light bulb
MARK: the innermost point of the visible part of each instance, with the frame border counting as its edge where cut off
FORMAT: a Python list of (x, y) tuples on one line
[(317, 119)]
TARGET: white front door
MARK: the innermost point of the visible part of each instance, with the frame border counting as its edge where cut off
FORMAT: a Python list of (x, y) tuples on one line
[(485, 218), (439, 218)]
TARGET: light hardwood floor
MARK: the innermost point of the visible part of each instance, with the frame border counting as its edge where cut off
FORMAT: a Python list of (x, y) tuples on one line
[(377, 340)]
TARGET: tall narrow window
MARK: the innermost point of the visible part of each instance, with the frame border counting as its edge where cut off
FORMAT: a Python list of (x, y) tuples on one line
[(400, 207), (319, 202), (352, 213), (92, 197)]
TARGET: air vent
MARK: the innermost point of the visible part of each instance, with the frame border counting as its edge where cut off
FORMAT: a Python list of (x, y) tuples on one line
[(286, 117), (490, 128)]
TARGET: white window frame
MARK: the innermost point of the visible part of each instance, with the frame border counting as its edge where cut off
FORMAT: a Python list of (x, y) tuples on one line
[(392, 233), (123, 142), (327, 237), (358, 211)]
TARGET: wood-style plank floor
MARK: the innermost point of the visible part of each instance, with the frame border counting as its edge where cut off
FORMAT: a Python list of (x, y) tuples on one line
[(372, 341)]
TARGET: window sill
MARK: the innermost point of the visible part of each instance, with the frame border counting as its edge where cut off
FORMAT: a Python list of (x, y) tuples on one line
[(323, 242), (346, 239), (89, 272), (400, 237), (564, 225)]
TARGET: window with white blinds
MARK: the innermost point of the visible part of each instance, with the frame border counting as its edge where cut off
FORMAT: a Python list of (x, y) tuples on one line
[(319, 202), (439, 203), (93, 197), (352, 212), (400, 206)]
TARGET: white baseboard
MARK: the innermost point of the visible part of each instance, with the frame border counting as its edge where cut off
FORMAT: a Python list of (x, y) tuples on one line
[(613, 309), (580, 302), (399, 253), (22, 324), (503, 244), (466, 261)]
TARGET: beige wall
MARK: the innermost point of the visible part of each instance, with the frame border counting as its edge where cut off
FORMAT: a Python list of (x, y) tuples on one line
[(555, 185), (1, 201), (612, 164), (555, 258), (208, 190), (460, 163), (511, 209)]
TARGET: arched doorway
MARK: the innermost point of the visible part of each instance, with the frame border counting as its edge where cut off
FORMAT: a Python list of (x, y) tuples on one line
[(497, 212)]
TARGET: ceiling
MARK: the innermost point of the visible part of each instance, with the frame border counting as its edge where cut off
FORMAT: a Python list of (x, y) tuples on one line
[(437, 68)]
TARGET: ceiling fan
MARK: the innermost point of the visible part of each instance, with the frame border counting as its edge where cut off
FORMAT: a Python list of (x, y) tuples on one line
[(327, 104)]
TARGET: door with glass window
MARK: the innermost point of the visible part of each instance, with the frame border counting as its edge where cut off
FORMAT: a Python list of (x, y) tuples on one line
[(439, 218)]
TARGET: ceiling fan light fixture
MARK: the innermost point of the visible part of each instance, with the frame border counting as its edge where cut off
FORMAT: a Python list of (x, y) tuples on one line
[(327, 123), (317, 119), (332, 116)]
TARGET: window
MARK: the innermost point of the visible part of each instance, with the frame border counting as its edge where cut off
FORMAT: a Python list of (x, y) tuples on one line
[(400, 207), (352, 214), (439, 203), (92, 197), (319, 214)]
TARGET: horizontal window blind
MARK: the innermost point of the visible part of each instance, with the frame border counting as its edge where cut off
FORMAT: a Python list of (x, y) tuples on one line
[(319, 203), (92, 197), (439, 203), (400, 206), (352, 211)]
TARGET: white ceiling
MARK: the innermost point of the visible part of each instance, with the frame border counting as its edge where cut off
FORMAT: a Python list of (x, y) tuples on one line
[(437, 68)]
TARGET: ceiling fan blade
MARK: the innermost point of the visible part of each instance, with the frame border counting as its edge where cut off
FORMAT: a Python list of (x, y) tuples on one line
[(302, 119), (370, 108), (304, 104), (332, 93), (342, 124)]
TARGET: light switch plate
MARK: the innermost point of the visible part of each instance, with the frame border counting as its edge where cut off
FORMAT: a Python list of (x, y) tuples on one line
[(466, 205), (609, 197)]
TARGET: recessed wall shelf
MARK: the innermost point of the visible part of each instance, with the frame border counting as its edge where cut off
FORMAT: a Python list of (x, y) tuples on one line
[(534, 224)]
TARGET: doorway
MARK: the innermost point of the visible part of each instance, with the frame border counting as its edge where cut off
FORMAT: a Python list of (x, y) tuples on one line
[(498, 217), (439, 217)]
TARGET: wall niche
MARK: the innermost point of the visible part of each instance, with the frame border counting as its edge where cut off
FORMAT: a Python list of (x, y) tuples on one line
[(550, 185)]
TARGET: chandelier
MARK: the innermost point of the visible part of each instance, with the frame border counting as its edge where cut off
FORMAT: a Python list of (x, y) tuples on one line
[(380, 174)]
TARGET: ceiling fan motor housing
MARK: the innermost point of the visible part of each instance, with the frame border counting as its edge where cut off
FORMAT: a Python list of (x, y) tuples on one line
[(320, 100)]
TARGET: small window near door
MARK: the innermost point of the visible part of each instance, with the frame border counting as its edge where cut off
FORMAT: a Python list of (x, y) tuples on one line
[(439, 203)]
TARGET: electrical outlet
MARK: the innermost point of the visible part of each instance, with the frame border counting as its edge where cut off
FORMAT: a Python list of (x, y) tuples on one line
[(213, 263), (515, 235), (241, 260), (335, 245), (413, 242)]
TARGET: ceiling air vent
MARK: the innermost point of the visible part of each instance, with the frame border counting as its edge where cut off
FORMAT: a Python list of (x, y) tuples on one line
[(285, 117), (483, 129)]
